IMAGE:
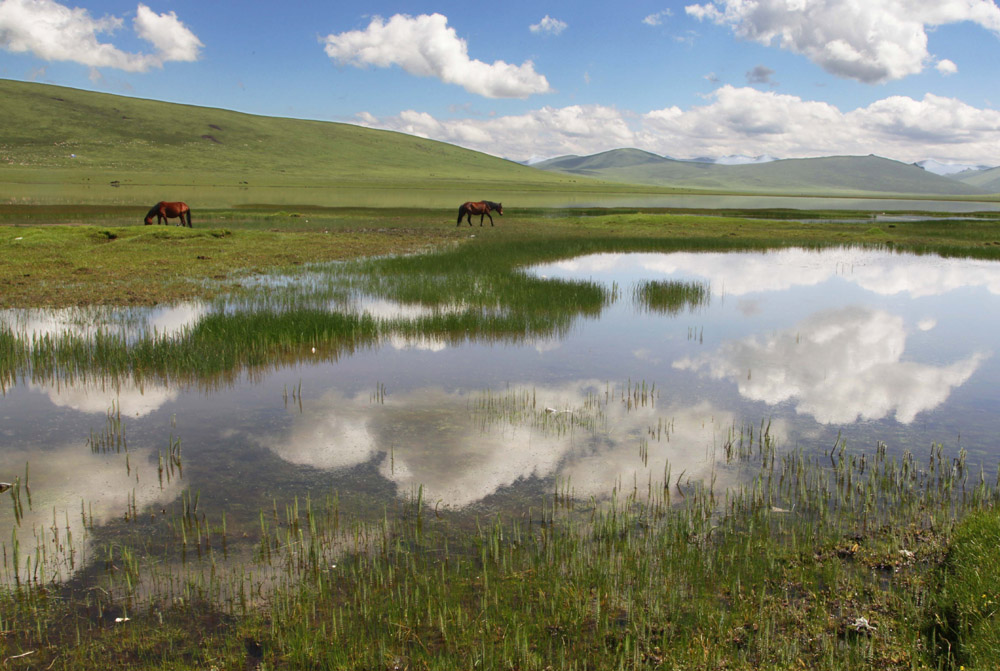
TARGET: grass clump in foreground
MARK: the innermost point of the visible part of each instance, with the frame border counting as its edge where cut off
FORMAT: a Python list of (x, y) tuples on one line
[(821, 563), (971, 591)]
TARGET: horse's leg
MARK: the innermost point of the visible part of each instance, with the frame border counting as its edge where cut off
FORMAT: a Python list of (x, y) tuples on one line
[(491, 218)]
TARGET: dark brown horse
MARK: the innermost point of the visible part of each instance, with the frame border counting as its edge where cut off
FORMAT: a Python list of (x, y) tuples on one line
[(482, 208), (164, 211)]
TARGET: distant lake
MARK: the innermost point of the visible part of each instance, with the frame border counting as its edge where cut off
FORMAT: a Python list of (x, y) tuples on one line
[(870, 346)]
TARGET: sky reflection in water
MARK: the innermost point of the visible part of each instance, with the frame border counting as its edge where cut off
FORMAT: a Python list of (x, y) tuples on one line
[(876, 346)]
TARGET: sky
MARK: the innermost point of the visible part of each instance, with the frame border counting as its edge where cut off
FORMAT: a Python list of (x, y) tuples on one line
[(910, 80)]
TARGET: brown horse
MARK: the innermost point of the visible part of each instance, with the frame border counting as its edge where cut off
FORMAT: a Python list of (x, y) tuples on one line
[(164, 211), (482, 208)]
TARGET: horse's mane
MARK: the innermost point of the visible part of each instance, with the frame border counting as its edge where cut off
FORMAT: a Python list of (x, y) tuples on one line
[(490, 204), (153, 210)]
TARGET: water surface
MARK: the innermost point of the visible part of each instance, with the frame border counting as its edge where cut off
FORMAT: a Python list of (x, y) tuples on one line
[(870, 346)]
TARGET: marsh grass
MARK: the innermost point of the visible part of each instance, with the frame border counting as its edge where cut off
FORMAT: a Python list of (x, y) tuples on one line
[(825, 562), (671, 297)]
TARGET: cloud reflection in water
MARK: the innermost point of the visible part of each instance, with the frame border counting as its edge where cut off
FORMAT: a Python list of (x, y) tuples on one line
[(837, 366), (437, 439)]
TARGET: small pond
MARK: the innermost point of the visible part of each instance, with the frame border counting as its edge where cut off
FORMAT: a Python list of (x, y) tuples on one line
[(813, 346)]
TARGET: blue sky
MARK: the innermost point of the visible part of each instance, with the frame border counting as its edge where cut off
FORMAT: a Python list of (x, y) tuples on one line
[(906, 79)]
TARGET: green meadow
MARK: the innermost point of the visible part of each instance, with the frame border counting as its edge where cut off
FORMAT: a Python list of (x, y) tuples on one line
[(855, 558)]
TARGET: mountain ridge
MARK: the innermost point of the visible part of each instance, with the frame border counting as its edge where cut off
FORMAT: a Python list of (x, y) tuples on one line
[(829, 174)]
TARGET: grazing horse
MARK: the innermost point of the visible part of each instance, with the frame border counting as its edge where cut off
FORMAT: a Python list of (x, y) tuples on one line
[(482, 208), (164, 211)]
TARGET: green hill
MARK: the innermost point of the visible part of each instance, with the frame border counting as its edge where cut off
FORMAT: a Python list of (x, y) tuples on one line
[(68, 139), (833, 175)]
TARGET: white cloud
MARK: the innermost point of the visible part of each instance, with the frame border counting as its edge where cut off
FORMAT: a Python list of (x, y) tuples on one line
[(656, 19), (54, 32), (425, 46), (548, 25), (734, 121), (946, 67), (549, 131), (873, 42), (172, 40)]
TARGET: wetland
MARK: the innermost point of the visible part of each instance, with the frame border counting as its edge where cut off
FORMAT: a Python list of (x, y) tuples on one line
[(659, 447)]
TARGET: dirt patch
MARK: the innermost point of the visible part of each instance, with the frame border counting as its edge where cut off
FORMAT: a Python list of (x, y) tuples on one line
[(212, 125)]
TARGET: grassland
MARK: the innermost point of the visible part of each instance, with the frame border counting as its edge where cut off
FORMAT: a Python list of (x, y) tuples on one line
[(56, 256)]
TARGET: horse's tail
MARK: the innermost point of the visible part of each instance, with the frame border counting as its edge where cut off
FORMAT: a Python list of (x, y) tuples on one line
[(461, 212), (189, 218)]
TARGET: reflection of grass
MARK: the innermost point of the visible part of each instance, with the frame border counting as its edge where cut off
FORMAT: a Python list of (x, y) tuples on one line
[(671, 297), (812, 563), (218, 344)]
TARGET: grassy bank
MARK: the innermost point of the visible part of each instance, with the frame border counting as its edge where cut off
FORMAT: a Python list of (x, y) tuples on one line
[(55, 256)]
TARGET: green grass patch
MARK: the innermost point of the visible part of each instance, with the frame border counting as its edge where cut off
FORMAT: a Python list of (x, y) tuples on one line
[(970, 598), (821, 563)]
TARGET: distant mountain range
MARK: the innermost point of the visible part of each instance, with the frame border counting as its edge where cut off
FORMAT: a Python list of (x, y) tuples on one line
[(987, 179), (834, 175)]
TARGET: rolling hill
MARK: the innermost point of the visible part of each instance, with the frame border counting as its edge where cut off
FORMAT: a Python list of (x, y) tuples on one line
[(833, 175), (64, 135)]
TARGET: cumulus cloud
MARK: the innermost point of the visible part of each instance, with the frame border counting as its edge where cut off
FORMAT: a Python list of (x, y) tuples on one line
[(548, 25), (838, 366), (549, 131), (733, 121), (55, 32), (872, 42), (426, 47), (946, 67)]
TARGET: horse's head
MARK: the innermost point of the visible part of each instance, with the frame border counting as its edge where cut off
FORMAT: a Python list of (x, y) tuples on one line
[(499, 209), (148, 220)]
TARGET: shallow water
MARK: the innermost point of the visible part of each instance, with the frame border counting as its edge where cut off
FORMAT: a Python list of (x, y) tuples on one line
[(871, 346)]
